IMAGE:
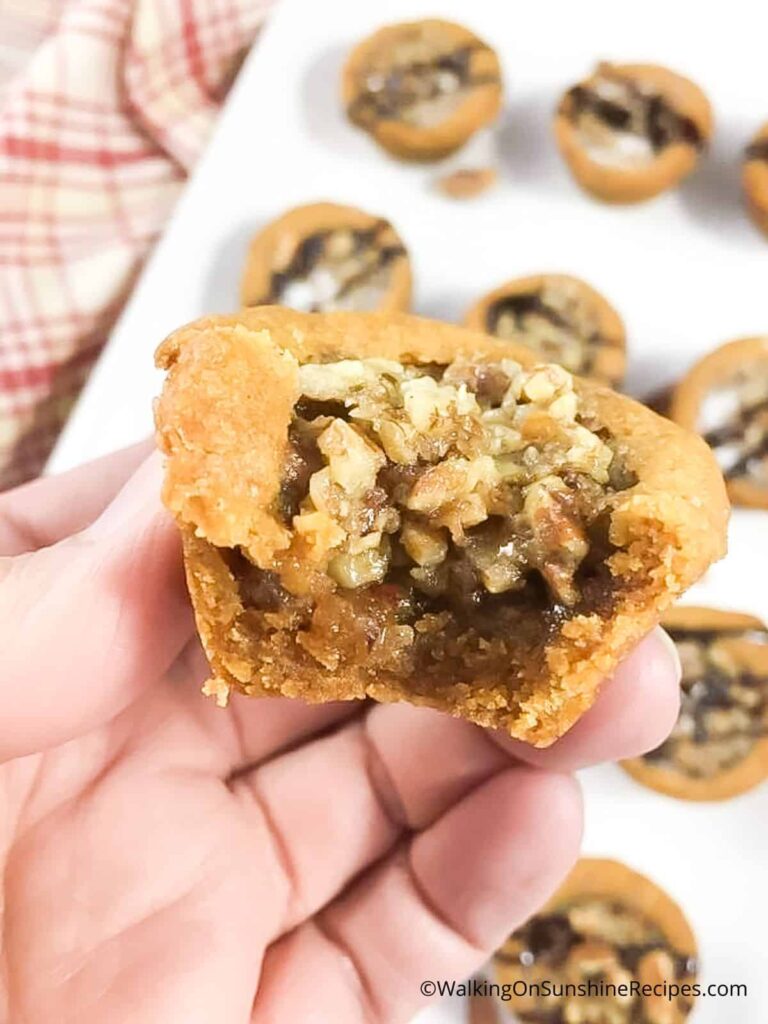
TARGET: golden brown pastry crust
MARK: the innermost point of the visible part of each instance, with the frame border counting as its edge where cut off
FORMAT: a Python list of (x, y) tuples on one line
[(415, 142), (690, 393), (754, 178), (222, 422), (617, 884), (272, 248), (747, 773), (673, 163), (610, 358), (689, 616)]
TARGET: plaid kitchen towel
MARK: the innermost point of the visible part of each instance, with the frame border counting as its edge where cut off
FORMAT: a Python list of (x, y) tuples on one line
[(105, 105)]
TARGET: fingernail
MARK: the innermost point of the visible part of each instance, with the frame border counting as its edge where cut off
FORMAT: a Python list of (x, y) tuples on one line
[(671, 648)]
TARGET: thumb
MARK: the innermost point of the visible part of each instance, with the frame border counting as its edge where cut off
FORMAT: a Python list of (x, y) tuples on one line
[(88, 623)]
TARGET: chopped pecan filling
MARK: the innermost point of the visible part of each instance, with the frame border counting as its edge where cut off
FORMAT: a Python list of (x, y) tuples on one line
[(625, 122), (602, 940), (724, 710), (734, 422), (556, 322), (432, 507), (419, 81), (338, 269)]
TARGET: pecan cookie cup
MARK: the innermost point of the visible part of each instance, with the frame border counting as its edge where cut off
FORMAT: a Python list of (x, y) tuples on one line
[(754, 177), (324, 257), (560, 318), (725, 399), (719, 746), (422, 88), (607, 923), (387, 507), (631, 131)]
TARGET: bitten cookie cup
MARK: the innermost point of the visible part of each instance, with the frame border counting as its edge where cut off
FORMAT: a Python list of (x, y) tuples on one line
[(724, 397), (422, 88), (719, 746), (607, 923), (561, 319), (388, 507), (323, 257), (754, 177), (631, 131)]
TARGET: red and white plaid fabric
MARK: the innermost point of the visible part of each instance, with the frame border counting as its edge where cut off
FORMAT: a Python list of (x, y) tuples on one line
[(105, 105)]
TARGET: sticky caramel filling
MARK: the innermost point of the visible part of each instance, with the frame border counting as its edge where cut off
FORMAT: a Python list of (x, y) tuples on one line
[(734, 422), (339, 269), (599, 939), (440, 516), (623, 121), (557, 322), (422, 80), (757, 150), (724, 710)]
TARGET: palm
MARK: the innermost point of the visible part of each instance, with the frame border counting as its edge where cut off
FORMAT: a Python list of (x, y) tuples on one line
[(272, 862), (134, 883)]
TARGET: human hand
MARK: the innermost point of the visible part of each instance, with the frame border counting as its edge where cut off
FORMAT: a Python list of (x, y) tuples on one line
[(167, 862)]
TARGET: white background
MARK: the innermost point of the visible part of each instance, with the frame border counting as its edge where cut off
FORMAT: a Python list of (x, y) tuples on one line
[(686, 271)]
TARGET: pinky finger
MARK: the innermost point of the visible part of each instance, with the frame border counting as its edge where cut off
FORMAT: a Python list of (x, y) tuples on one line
[(431, 912)]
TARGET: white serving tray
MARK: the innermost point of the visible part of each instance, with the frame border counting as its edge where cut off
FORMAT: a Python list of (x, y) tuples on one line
[(687, 272)]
